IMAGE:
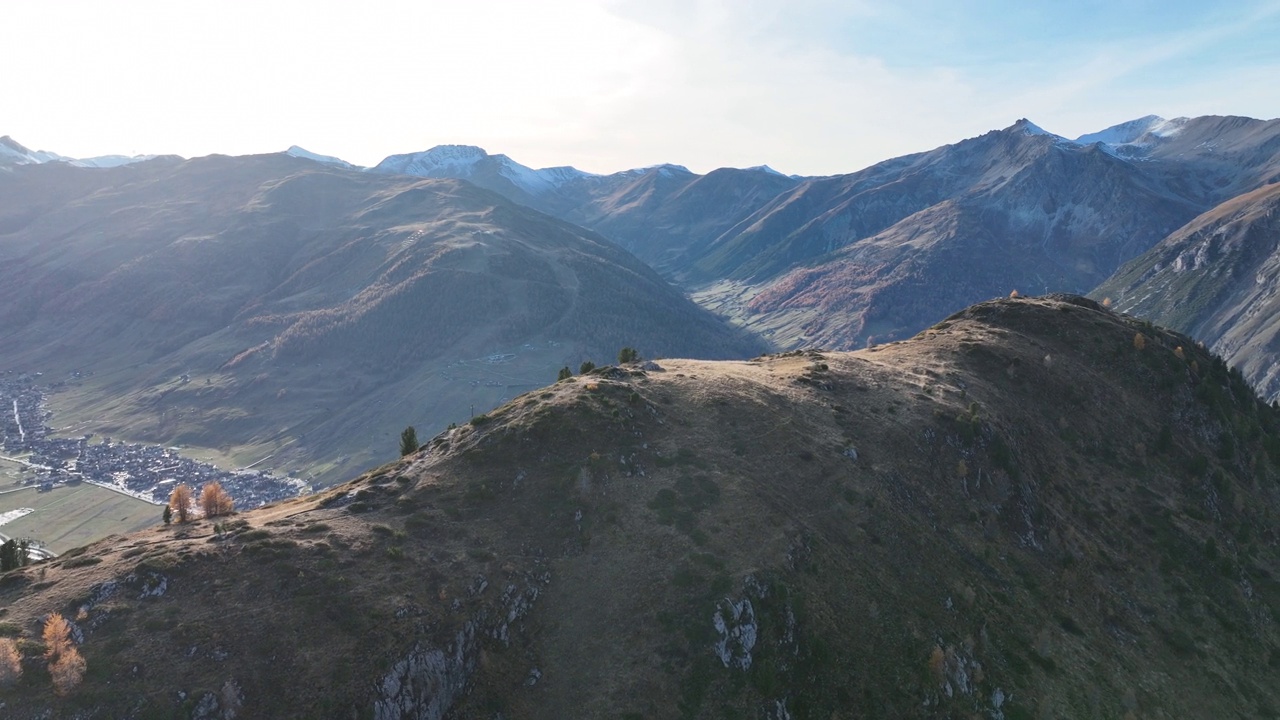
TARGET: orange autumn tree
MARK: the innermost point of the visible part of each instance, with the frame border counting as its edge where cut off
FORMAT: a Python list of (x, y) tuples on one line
[(215, 501), (66, 664), (180, 501)]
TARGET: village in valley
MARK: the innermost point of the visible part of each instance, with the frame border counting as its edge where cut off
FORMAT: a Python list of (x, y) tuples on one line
[(147, 472)]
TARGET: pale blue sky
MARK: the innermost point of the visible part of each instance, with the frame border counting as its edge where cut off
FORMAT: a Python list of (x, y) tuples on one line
[(806, 86)]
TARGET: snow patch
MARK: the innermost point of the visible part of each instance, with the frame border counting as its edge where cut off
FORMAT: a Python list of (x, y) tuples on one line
[(10, 516), (536, 182)]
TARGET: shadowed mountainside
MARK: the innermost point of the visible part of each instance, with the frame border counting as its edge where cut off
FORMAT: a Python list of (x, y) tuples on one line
[(239, 303), (1024, 511)]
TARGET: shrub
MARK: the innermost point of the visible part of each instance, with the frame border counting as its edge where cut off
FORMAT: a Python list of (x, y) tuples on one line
[(10, 663), (1139, 341), (564, 374), (628, 355), (67, 671), (586, 367)]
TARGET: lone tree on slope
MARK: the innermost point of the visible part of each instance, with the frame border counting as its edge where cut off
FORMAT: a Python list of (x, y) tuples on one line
[(215, 501), (180, 500), (408, 441), (66, 665), (628, 355)]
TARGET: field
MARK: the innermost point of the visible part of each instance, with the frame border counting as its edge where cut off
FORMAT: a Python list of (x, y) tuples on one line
[(69, 517)]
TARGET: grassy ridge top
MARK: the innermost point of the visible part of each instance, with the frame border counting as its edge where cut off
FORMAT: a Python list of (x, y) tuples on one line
[(1034, 508)]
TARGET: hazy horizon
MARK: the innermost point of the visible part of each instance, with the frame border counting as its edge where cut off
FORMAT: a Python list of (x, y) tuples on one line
[(812, 88)]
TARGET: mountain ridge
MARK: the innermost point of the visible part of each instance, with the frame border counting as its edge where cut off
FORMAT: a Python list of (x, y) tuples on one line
[(701, 539)]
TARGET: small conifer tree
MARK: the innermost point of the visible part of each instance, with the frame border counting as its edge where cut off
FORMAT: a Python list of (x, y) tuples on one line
[(408, 441), (628, 355), (564, 374), (167, 515), (586, 367)]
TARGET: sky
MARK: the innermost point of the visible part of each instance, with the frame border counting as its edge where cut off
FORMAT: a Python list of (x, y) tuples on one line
[(809, 87)]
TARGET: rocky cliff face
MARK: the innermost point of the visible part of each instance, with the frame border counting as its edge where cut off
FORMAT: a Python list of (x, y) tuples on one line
[(1216, 280)]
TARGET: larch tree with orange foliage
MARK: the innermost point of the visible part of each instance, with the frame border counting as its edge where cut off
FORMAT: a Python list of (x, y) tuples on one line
[(66, 664), (215, 501), (180, 501)]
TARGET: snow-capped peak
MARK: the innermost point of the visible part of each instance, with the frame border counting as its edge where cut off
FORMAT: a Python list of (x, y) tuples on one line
[(765, 169), (1031, 128), (468, 162), (1142, 131), (439, 161), (299, 152)]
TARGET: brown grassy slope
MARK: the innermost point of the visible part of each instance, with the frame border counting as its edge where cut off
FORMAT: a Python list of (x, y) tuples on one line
[(1016, 511)]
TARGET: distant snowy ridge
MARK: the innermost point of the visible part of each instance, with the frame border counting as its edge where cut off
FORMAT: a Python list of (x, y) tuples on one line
[(431, 163), (1141, 132), (664, 169), (305, 154), (109, 161), (467, 162), (14, 153)]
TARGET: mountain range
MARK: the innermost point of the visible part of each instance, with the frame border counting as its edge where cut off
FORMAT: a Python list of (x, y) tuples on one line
[(265, 280), (881, 253)]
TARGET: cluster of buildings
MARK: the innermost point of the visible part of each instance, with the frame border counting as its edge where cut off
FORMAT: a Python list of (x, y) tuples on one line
[(149, 472)]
